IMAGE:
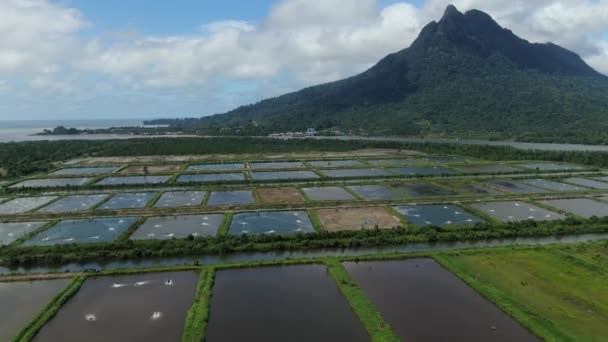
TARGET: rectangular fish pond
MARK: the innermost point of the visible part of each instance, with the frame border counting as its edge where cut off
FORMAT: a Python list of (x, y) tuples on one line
[(180, 199), (141, 169), (328, 193), (552, 185), (589, 183), (494, 168), (52, 183), (84, 171), (423, 171), (178, 227), (271, 222), (423, 190), (217, 167), (351, 173), (513, 211), (550, 166), (93, 230), (276, 165), (280, 303), (385, 162), (371, 192), (583, 207), (211, 177), (142, 307), (73, 203), (272, 175), (133, 180), (230, 197), (335, 163), (423, 301), (10, 232), (437, 215), (514, 187), (22, 300), (339, 219), (24, 204), (128, 201)]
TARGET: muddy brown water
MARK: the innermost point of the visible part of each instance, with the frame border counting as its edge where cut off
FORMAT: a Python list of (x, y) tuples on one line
[(141, 307), (285, 303), (422, 301)]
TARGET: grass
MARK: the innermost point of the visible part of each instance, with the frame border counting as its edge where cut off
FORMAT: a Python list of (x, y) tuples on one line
[(558, 292), (198, 315)]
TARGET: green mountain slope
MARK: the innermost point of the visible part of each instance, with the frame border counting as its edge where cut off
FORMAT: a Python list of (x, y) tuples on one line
[(463, 76)]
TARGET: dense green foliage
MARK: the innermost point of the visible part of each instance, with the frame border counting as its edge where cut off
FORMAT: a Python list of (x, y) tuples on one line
[(464, 76)]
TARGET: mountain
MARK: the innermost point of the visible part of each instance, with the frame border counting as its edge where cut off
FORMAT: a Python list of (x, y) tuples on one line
[(464, 76)]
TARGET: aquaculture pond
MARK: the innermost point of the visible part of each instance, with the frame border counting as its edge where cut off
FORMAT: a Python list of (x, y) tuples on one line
[(93, 230), (328, 193), (178, 227), (589, 183), (142, 307), (437, 215), (271, 222), (495, 168), (128, 201), (349, 173), (52, 183), (514, 187), (471, 188), (339, 219), (10, 232), (552, 185), (272, 175), (423, 171), (21, 301), (280, 303), (230, 197), (143, 169), (276, 165), (217, 167), (131, 180), (335, 163), (442, 160), (84, 171), (550, 166), (583, 207), (374, 192), (24, 204), (512, 211), (423, 190), (180, 199), (73, 203), (423, 301), (211, 177), (391, 161)]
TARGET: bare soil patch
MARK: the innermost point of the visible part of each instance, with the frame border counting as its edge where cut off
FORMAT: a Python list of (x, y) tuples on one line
[(338, 219), (280, 196)]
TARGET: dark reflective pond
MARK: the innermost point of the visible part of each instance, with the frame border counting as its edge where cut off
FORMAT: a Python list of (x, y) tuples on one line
[(133, 180), (230, 197), (514, 187), (423, 190), (84, 171), (374, 192), (422, 301), (288, 303), (487, 168), (431, 170), (552, 185), (143, 307), (271, 222)]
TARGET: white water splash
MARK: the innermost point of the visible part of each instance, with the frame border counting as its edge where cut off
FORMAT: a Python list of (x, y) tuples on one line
[(156, 315), (142, 283), (90, 317), (117, 285)]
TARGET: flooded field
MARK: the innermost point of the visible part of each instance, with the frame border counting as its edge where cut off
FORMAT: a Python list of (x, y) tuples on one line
[(272, 175), (338, 219), (472, 189), (24, 204), (271, 222), (347, 173), (128, 201), (423, 171), (513, 211), (589, 183), (552, 185), (583, 207), (143, 307), (496, 168), (437, 215), (211, 177), (21, 301), (84, 171), (82, 231), (335, 163), (73, 203), (230, 197), (386, 162), (133, 180), (443, 160), (217, 167), (328, 193), (374, 192), (180, 199), (514, 187), (280, 196), (286, 303), (141, 169), (52, 183), (423, 190), (178, 227), (276, 165), (10, 232), (422, 301), (550, 166)]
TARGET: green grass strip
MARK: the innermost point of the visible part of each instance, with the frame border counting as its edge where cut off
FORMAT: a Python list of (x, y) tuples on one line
[(376, 326), (198, 315), (314, 219), (224, 228), (49, 311)]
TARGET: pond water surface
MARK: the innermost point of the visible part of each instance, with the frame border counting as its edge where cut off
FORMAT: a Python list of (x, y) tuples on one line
[(73, 203), (423, 190), (230, 197), (516, 211), (178, 227), (271, 222), (348, 173), (438, 215), (583, 207), (374, 192), (180, 199), (82, 231), (24, 204), (129, 180), (10, 232), (328, 193), (128, 201), (211, 177), (272, 175), (52, 183)]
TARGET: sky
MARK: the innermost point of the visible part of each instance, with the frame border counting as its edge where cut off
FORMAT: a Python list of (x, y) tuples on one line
[(106, 59)]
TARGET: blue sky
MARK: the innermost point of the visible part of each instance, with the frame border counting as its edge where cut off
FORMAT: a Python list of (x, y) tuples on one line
[(79, 59)]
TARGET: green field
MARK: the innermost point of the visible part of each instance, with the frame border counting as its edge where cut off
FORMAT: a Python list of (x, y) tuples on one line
[(560, 293)]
